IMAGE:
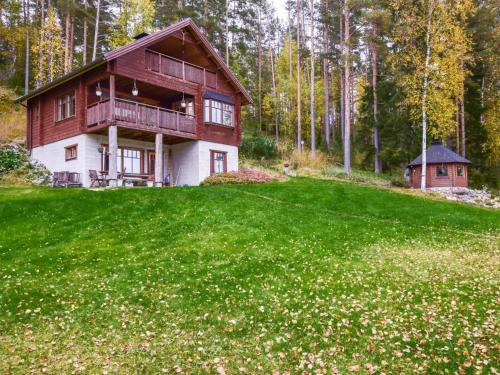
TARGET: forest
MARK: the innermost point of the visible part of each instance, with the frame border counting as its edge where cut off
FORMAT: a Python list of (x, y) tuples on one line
[(357, 83)]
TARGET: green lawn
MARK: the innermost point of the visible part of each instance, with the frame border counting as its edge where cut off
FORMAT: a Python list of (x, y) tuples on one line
[(304, 275)]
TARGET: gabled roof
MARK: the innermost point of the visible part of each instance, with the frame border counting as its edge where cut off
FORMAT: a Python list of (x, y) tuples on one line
[(143, 42), (437, 153)]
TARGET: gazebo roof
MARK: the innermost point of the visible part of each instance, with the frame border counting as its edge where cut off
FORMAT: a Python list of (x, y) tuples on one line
[(437, 153)]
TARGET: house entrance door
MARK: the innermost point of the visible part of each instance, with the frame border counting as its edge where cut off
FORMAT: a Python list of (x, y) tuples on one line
[(151, 162)]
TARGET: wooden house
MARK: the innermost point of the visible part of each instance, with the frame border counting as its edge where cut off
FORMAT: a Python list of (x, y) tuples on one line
[(164, 106), (445, 168)]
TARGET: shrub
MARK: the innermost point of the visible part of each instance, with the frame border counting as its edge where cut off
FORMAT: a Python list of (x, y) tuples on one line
[(258, 147), (16, 168), (12, 157), (248, 176)]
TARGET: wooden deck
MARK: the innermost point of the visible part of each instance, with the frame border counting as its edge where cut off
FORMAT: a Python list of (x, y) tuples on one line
[(172, 67), (141, 116)]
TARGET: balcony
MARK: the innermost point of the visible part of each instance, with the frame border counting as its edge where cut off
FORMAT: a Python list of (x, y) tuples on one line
[(141, 116), (172, 67)]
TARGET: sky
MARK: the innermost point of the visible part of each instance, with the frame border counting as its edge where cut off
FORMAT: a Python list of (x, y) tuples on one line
[(279, 5)]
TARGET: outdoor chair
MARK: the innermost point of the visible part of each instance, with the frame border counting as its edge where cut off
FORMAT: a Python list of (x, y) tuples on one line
[(66, 179), (95, 179)]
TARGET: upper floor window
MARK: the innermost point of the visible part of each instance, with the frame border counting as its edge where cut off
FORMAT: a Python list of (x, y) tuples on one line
[(188, 109), (218, 112), (66, 106)]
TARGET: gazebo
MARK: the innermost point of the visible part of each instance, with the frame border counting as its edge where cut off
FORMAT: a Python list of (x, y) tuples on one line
[(445, 168)]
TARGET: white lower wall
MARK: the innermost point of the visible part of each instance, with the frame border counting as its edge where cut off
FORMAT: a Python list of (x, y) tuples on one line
[(190, 160), (52, 155), (186, 163), (204, 157)]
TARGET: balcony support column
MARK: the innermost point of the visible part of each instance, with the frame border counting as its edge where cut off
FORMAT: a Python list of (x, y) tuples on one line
[(113, 152), (158, 159), (112, 96)]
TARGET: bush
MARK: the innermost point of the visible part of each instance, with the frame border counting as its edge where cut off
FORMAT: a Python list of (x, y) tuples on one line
[(247, 176), (258, 147), (16, 168), (12, 157)]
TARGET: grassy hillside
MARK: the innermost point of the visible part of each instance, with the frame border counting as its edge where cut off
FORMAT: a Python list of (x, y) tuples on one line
[(305, 275)]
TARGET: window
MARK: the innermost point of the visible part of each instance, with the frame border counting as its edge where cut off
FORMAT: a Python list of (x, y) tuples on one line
[(442, 171), (188, 110), (218, 112), (128, 160), (70, 152), (460, 170), (65, 106), (218, 162), (227, 118)]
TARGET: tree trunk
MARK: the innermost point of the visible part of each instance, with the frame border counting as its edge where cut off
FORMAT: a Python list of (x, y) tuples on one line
[(66, 43), (96, 29), (27, 54), (85, 33), (374, 58), (423, 182), (341, 77), (259, 67), (313, 119), (462, 114), (40, 52), (482, 102), (347, 79), (275, 99), (299, 101), (457, 127), (71, 43), (227, 32), (326, 88), (290, 57), (205, 16)]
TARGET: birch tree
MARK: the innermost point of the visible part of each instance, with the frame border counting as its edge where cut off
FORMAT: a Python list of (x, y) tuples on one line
[(431, 43), (299, 100), (96, 29), (312, 83), (346, 102)]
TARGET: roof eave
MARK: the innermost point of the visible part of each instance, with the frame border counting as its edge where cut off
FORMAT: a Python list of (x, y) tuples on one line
[(59, 81)]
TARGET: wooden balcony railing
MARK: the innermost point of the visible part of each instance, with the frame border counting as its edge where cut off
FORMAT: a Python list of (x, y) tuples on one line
[(141, 115), (170, 66)]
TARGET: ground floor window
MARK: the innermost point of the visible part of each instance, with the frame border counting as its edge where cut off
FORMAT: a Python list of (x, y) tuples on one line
[(218, 162), (128, 160), (70, 152), (442, 171), (460, 170)]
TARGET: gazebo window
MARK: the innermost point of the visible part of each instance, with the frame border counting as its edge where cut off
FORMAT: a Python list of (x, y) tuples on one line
[(460, 170), (442, 171)]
